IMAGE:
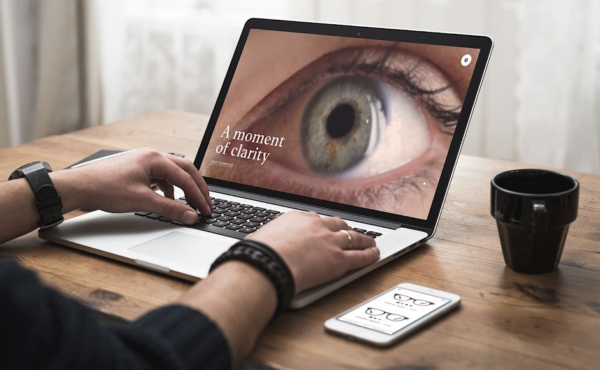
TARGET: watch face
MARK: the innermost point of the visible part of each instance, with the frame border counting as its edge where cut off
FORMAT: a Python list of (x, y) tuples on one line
[(19, 172)]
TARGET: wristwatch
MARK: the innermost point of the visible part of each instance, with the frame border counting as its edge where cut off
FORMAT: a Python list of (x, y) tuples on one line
[(47, 199)]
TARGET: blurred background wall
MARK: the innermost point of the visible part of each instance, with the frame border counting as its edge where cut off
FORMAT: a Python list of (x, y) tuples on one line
[(69, 64)]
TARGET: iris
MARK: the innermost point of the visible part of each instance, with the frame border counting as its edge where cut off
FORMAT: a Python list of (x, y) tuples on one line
[(342, 124)]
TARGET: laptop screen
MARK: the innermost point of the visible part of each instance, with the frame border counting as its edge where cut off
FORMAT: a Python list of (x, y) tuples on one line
[(366, 123)]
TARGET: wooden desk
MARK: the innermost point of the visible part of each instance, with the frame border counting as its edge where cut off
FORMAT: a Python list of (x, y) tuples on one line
[(507, 320)]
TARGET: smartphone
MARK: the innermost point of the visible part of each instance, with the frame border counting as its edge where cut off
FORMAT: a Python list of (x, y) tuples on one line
[(385, 319)]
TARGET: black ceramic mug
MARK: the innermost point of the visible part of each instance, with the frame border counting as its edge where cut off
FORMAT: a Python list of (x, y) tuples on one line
[(533, 209)]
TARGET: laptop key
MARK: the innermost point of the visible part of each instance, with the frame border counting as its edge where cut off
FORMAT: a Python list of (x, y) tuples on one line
[(142, 213), (236, 208), (247, 230), (257, 219), (262, 214), (231, 213), (233, 227), (238, 221), (220, 223), (164, 219), (207, 220), (246, 205), (273, 211), (225, 205), (251, 224), (245, 216), (359, 230), (373, 233), (224, 218), (219, 210), (270, 217), (154, 216), (233, 203), (249, 211), (258, 208)]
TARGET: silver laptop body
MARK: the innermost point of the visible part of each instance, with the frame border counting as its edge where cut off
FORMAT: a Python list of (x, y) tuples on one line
[(188, 252)]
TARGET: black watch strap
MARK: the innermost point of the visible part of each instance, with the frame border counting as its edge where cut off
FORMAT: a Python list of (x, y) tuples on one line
[(47, 199)]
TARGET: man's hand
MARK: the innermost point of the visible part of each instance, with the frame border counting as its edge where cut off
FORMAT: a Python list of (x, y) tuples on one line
[(315, 248), (122, 184)]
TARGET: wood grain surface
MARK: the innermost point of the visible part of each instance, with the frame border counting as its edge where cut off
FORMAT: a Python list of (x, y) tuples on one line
[(507, 320)]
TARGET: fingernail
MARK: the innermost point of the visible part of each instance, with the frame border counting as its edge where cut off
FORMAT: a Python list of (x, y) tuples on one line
[(189, 217)]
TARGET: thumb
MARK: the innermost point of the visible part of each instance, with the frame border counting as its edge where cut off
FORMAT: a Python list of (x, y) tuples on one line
[(172, 209)]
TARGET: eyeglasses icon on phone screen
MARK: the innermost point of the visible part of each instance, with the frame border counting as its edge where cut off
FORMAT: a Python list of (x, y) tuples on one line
[(417, 302), (389, 316)]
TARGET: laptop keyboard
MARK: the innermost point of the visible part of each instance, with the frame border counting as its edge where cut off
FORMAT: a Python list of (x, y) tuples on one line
[(233, 219)]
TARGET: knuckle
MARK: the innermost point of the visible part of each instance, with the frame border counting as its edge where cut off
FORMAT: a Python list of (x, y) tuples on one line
[(188, 178), (338, 220), (331, 238), (317, 222), (338, 254), (170, 208), (189, 166), (138, 192), (151, 153)]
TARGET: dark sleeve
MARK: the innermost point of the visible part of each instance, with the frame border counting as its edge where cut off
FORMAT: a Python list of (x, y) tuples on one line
[(42, 329)]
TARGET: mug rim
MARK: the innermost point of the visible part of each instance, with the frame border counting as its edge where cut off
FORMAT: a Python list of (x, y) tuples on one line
[(558, 194)]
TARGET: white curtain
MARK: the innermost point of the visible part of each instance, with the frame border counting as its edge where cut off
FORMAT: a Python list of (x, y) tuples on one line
[(57, 99), (558, 118), (50, 80)]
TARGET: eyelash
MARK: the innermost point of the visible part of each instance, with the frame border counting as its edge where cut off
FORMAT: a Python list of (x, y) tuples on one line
[(446, 116)]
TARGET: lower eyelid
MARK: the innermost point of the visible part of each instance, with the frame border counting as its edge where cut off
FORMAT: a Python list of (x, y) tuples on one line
[(403, 192)]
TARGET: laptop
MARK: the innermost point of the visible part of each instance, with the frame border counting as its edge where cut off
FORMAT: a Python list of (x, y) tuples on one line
[(357, 122)]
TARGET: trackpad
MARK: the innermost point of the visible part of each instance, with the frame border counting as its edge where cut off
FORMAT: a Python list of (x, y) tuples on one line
[(184, 249)]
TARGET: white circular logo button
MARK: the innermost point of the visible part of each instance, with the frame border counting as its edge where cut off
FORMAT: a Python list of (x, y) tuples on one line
[(465, 60)]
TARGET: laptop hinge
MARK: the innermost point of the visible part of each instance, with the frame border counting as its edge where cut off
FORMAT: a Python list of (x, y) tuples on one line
[(307, 207)]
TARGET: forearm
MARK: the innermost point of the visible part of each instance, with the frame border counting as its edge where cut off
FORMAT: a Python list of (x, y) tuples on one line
[(19, 214), (43, 329), (240, 300)]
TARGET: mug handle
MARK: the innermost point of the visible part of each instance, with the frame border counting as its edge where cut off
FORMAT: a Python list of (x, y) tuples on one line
[(539, 215)]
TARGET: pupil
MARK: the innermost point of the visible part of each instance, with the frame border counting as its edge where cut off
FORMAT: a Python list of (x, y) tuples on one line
[(340, 121)]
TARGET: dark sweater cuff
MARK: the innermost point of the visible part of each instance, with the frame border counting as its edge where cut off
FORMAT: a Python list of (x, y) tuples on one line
[(192, 335)]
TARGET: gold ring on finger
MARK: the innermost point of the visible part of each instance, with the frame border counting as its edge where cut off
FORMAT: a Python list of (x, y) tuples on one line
[(349, 238)]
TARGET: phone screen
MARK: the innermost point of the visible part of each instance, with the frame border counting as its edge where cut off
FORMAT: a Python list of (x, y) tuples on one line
[(394, 310)]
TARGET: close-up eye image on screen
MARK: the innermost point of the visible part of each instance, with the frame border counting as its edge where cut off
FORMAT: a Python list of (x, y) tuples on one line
[(361, 122)]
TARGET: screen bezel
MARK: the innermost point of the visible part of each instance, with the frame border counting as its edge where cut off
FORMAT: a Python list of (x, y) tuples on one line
[(483, 43)]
